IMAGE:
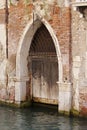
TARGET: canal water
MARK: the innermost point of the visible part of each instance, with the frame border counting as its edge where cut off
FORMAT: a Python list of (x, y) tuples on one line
[(38, 118)]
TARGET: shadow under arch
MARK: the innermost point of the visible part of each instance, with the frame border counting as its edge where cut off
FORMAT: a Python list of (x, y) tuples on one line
[(22, 54)]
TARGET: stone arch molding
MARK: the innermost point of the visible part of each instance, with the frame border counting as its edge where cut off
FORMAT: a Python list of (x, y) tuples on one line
[(23, 52)]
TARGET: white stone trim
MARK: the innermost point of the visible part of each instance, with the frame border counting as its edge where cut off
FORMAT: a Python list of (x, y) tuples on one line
[(65, 97), (23, 52), (76, 4)]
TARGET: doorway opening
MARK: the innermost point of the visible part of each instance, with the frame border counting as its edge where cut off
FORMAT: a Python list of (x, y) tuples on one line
[(38, 64), (43, 67)]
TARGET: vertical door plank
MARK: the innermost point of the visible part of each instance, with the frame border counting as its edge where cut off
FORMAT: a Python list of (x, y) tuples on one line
[(36, 78), (54, 79)]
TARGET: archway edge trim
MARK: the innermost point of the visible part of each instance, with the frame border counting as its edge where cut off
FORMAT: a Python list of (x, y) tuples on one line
[(21, 66)]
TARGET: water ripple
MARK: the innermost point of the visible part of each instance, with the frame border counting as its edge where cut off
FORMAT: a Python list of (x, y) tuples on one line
[(37, 119)]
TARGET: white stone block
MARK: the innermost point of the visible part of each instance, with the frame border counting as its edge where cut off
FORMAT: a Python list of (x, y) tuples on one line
[(2, 4), (77, 59), (64, 101), (74, 8), (65, 97), (76, 64), (67, 3), (86, 66), (20, 91), (76, 95), (65, 87), (76, 73), (2, 34), (61, 101), (3, 71)]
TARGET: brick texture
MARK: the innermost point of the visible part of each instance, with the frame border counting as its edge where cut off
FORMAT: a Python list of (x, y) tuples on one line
[(21, 14)]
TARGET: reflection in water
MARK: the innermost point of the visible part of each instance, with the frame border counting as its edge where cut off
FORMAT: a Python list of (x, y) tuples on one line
[(38, 118)]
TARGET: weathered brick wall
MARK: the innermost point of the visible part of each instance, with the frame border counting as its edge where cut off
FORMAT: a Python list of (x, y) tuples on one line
[(16, 26), (61, 25), (79, 56), (59, 19), (56, 13)]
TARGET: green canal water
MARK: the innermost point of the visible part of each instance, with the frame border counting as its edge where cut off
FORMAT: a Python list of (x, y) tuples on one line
[(38, 118)]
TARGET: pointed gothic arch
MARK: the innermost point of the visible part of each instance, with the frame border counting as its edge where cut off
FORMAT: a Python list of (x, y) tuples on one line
[(22, 54)]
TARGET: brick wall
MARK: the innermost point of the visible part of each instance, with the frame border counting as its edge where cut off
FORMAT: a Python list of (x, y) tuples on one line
[(20, 15), (79, 54), (61, 25)]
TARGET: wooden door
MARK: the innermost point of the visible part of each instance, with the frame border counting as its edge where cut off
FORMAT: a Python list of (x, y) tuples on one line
[(44, 78), (36, 78)]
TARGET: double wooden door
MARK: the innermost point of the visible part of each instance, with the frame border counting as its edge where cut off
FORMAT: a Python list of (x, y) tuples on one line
[(44, 80)]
